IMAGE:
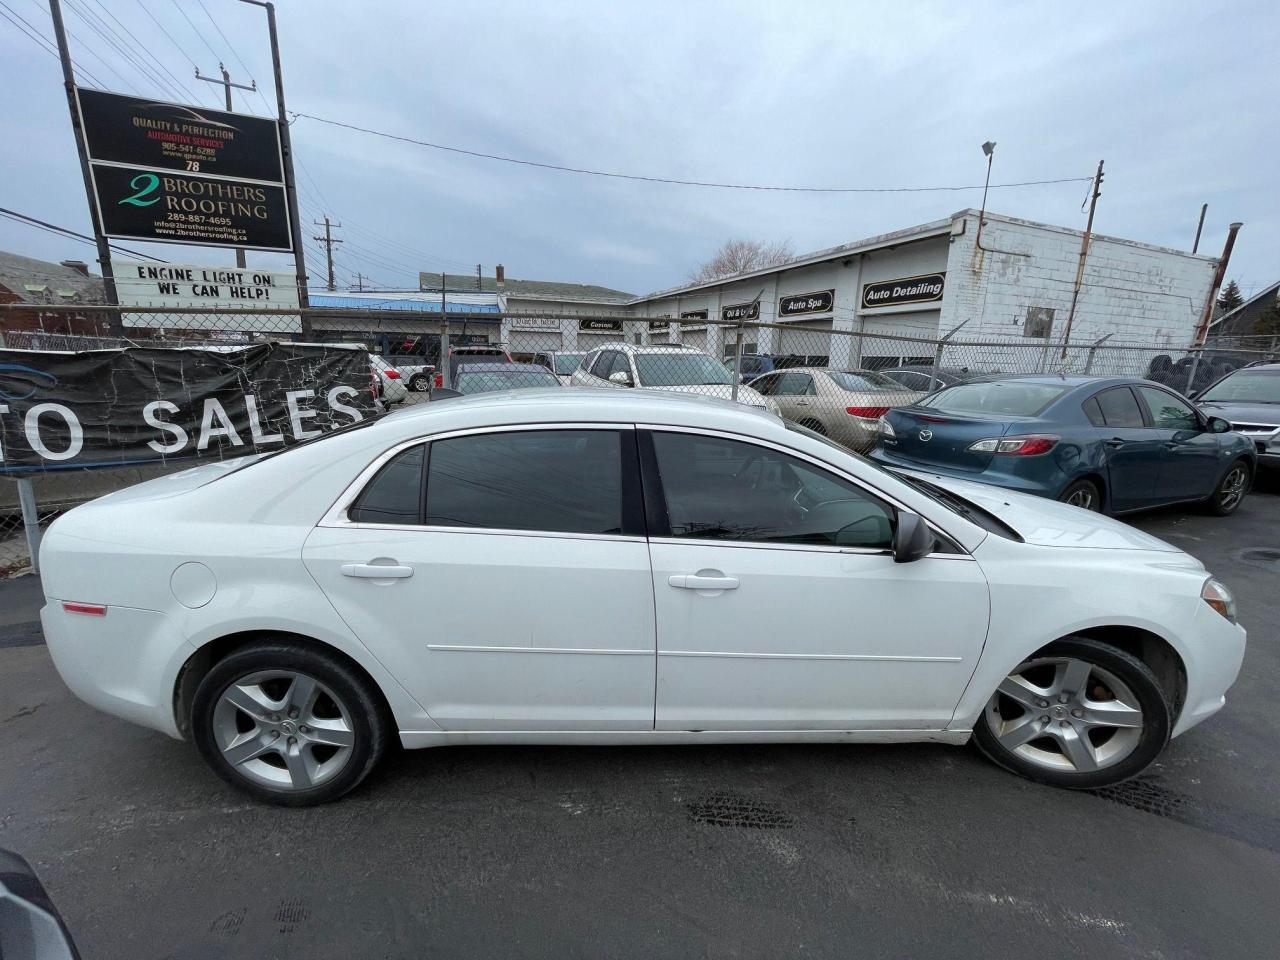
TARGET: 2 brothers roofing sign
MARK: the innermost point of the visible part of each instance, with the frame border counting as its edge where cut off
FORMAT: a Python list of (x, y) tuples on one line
[(892, 293), (104, 408), (171, 173)]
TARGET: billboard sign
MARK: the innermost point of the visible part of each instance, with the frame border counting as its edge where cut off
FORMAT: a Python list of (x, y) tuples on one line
[(143, 284)]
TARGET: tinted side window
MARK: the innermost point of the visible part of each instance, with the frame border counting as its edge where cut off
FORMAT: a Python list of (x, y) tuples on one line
[(720, 489), (394, 495), (1167, 411), (601, 365), (795, 385), (620, 364), (564, 481), (766, 385), (1094, 412), (1119, 408)]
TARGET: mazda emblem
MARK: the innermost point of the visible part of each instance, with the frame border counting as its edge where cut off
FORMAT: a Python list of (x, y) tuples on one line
[(926, 435)]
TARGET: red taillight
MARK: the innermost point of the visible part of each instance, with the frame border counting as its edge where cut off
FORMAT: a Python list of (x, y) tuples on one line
[(1028, 446), (869, 413), (439, 381), (391, 374), (89, 609)]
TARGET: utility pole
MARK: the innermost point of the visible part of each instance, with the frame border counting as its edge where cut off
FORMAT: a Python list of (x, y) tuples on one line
[(1084, 254), (479, 284), (359, 282), (1204, 208), (286, 150), (328, 241), (104, 248), (226, 86)]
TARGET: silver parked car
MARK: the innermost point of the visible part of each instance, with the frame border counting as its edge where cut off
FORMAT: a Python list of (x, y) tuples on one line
[(844, 405)]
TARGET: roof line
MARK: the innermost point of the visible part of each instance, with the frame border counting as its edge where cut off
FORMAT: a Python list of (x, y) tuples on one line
[(1257, 296)]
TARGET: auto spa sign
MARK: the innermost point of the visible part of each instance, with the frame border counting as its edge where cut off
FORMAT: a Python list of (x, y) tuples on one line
[(141, 284), (926, 288), (108, 408), (171, 173)]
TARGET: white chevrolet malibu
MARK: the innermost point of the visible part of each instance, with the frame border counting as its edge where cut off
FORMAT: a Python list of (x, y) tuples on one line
[(521, 567)]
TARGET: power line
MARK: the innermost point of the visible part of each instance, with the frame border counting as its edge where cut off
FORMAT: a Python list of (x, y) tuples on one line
[(146, 50), (121, 46), (40, 40), (672, 180), (65, 231), (129, 84)]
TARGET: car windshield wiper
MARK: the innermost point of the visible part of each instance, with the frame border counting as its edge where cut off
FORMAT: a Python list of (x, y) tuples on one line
[(941, 495)]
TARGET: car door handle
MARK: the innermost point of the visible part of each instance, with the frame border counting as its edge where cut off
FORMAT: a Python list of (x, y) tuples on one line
[(694, 581), (1114, 442), (376, 571), (802, 403)]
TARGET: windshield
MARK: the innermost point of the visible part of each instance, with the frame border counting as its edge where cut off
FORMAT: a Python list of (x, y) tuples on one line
[(1246, 386), (678, 369), (566, 363), (496, 380), (1010, 398), (863, 380)]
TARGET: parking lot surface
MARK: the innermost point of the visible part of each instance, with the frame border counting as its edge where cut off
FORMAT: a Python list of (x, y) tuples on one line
[(751, 851)]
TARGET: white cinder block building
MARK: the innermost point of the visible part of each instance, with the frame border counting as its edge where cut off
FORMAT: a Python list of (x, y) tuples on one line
[(1013, 284)]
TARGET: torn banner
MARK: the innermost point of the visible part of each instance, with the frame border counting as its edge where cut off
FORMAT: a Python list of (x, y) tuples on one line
[(104, 408)]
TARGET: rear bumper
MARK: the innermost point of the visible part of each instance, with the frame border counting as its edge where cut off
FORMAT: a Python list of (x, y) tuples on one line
[(994, 478), (124, 663)]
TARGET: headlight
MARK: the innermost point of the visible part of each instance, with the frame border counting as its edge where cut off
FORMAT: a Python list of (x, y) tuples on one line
[(885, 427), (1216, 595)]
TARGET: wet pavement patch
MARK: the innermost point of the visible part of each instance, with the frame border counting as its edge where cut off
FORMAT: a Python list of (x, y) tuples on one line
[(731, 810), (1266, 557)]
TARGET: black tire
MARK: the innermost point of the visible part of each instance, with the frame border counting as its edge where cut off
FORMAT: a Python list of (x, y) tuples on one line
[(1157, 717), (1086, 492), (814, 425), (1221, 503), (370, 723), (419, 383)]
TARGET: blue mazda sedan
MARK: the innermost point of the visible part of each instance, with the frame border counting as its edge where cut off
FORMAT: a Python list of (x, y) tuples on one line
[(1111, 444)]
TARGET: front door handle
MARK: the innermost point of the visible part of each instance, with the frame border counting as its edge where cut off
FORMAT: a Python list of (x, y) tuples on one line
[(376, 571), (696, 581), (1114, 442)]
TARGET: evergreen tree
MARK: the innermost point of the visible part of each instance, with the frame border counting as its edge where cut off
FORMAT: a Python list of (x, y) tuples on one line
[(1230, 297)]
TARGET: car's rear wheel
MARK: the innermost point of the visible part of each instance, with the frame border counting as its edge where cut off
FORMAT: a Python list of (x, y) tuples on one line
[(288, 724), (419, 383), (1083, 494), (1080, 714), (1230, 491)]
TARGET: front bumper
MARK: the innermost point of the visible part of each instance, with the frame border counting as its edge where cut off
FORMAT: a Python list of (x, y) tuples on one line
[(1212, 656)]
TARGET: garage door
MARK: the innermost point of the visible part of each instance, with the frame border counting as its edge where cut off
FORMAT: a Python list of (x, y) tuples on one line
[(535, 341), (810, 340), (694, 338), (589, 341)]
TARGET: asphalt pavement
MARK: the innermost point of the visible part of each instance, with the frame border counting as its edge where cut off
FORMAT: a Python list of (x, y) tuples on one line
[(743, 851)]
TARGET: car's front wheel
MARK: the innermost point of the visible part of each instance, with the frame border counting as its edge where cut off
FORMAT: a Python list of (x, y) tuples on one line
[(1230, 491), (287, 723), (1080, 714)]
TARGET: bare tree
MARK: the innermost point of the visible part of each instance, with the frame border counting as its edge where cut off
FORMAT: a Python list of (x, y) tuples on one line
[(741, 256)]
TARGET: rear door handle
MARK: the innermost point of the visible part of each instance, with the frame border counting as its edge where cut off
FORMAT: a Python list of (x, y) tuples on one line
[(376, 571), (1114, 442), (802, 403), (693, 581)]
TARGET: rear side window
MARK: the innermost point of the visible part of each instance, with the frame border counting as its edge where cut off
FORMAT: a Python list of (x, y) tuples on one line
[(1094, 412), (394, 495), (1119, 408), (559, 481), (1013, 398)]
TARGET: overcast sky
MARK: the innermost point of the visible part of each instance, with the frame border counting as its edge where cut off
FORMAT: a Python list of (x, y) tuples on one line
[(1179, 98)]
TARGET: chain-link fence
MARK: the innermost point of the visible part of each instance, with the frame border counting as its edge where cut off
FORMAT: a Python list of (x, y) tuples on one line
[(836, 381)]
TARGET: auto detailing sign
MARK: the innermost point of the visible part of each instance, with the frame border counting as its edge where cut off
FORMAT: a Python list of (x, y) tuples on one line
[(106, 408), (741, 311), (600, 326), (140, 284), (892, 293), (170, 136), (540, 324), (172, 173), (802, 303)]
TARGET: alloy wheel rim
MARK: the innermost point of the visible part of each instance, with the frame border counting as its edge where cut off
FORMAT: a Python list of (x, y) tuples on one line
[(283, 729), (1232, 489), (1066, 715), (1082, 498)]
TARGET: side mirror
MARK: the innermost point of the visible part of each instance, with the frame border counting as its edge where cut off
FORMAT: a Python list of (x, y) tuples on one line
[(30, 925), (1218, 425), (620, 377), (912, 538)]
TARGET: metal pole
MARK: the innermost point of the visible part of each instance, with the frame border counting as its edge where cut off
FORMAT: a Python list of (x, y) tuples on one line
[(226, 87), (737, 364), (104, 248), (1204, 208), (1088, 360), (1206, 318), (937, 353), (30, 518), (444, 336), (1084, 255), (286, 149), (1192, 371)]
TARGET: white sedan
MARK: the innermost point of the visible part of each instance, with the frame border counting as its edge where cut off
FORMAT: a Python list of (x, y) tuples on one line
[(567, 547)]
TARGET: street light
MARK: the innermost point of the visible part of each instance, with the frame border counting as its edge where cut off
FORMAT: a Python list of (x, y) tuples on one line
[(989, 149)]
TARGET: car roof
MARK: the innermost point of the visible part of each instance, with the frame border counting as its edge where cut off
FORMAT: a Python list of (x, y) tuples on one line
[(1070, 381), (632, 348)]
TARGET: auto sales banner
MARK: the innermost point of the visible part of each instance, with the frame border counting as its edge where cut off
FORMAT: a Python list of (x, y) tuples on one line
[(106, 408)]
